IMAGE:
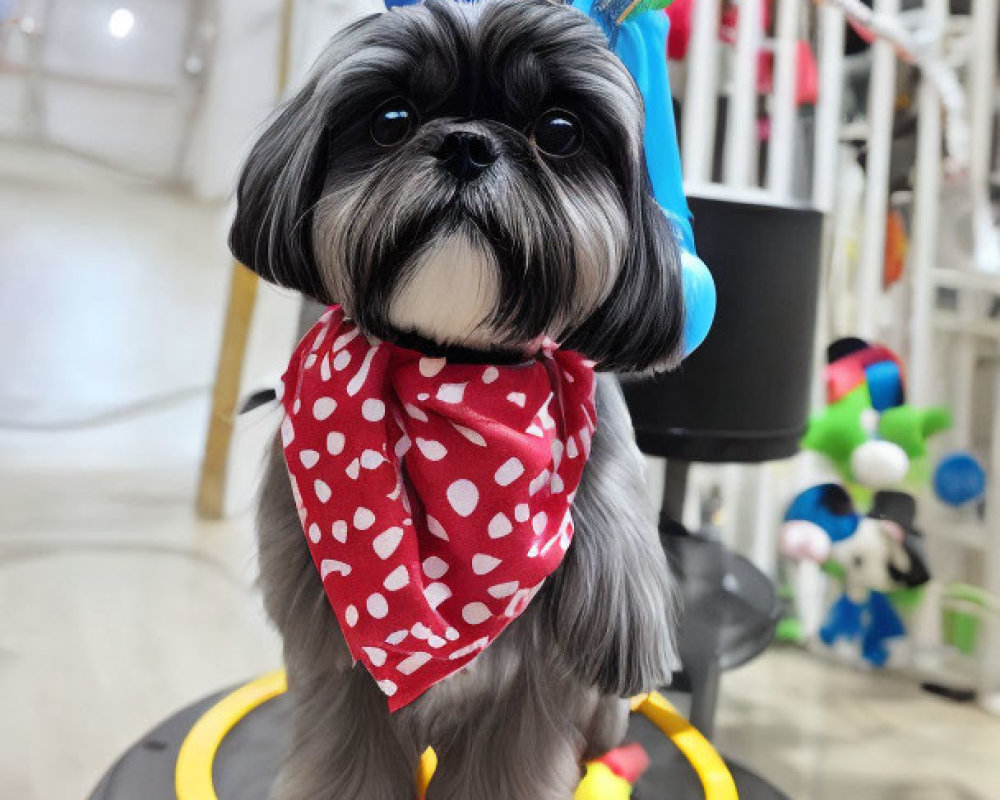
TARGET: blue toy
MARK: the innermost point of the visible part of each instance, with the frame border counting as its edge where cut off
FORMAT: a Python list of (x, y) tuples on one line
[(959, 480), (874, 556), (638, 37), (874, 620)]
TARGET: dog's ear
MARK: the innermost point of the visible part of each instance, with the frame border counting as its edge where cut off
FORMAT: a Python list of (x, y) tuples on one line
[(283, 177), (281, 180), (640, 325)]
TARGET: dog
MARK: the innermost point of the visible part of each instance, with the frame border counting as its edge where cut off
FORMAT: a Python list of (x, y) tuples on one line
[(469, 180)]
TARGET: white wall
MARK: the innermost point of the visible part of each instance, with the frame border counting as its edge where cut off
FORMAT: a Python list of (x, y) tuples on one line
[(119, 99), (241, 88), (129, 101)]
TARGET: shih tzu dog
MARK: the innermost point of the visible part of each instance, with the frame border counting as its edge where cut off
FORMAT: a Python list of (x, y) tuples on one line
[(468, 181)]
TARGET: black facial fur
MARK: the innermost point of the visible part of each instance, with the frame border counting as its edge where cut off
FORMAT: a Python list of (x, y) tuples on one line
[(325, 208)]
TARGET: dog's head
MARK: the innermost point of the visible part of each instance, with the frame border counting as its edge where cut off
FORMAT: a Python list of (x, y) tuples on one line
[(470, 176)]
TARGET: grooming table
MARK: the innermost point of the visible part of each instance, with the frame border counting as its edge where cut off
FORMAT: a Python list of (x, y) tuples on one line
[(234, 742)]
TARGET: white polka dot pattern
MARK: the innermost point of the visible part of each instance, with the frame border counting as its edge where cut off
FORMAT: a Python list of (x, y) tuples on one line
[(495, 454)]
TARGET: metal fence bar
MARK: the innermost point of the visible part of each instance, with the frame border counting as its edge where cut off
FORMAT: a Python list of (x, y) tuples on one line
[(990, 674), (700, 95), (741, 130), (982, 89), (828, 106), (923, 251), (982, 107), (781, 147)]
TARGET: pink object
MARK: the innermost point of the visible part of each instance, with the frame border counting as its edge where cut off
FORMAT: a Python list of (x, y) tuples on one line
[(892, 529), (806, 74), (435, 497), (847, 373), (628, 762), (801, 540)]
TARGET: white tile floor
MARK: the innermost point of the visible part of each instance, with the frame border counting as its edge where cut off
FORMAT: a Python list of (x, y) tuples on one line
[(825, 732), (119, 605)]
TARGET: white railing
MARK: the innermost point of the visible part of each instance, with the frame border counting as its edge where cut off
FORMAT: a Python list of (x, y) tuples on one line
[(954, 148)]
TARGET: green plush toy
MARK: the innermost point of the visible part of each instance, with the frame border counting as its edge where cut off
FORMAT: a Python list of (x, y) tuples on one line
[(871, 436)]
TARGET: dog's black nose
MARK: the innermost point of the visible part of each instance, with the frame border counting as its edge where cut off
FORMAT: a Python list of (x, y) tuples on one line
[(466, 155)]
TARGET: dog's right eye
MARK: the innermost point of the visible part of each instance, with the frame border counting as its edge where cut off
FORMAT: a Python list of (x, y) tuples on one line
[(393, 122), (558, 132)]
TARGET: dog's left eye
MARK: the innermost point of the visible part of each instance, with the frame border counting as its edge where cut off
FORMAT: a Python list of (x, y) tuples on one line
[(393, 122), (558, 132)]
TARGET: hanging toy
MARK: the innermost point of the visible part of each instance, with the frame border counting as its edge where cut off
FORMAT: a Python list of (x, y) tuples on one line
[(872, 437), (862, 531), (897, 244), (959, 480)]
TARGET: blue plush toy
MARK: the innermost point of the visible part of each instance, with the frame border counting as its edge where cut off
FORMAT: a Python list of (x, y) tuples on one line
[(874, 556)]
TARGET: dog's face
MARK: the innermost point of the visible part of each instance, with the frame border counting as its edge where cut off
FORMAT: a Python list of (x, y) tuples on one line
[(470, 176)]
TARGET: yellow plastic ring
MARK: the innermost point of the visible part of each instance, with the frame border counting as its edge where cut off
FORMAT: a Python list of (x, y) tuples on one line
[(716, 779), (193, 773)]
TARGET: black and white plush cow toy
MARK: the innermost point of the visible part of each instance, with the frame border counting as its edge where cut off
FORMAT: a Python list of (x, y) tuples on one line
[(874, 555)]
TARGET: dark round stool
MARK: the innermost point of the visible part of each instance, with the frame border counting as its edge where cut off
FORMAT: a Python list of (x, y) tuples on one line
[(730, 614), (247, 759)]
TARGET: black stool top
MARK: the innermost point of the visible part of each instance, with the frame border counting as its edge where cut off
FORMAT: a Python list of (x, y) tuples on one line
[(249, 756), (731, 608)]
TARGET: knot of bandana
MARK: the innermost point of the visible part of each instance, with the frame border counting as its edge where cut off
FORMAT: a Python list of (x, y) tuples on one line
[(435, 497)]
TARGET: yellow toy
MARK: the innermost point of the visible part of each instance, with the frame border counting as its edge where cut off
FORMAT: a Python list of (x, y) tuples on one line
[(612, 776), (600, 783)]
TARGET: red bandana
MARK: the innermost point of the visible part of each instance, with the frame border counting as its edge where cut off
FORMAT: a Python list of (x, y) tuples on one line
[(435, 497)]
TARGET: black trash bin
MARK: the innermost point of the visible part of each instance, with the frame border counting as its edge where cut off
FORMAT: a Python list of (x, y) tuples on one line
[(743, 396)]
